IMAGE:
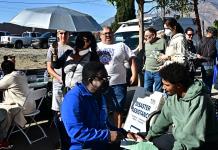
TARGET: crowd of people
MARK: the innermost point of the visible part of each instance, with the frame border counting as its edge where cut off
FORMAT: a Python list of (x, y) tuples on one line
[(95, 85), (89, 89)]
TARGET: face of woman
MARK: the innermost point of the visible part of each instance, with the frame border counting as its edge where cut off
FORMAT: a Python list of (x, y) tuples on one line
[(167, 30), (87, 43), (63, 37)]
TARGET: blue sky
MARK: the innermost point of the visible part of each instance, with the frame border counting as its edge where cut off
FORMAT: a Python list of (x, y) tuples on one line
[(99, 9)]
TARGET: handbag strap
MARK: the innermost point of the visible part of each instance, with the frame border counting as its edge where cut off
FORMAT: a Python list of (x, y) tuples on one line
[(74, 70)]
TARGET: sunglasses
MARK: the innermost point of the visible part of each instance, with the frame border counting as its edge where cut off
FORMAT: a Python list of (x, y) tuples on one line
[(63, 33)]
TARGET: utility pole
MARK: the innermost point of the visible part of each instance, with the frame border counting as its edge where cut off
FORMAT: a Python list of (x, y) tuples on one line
[(141, 23), (141, 41)]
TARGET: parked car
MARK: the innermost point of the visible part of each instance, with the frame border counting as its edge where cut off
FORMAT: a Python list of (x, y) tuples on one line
[(19, 41), (42, 41), (128, 32), (71, 41)]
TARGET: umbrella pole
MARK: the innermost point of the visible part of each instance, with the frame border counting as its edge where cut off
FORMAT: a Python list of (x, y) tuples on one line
[(55, 48)]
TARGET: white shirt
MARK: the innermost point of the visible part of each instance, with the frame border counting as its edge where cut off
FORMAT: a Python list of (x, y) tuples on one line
[(114, 56)]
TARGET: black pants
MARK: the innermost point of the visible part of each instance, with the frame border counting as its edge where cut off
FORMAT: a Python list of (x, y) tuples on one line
[(164, 142), (64, 138)]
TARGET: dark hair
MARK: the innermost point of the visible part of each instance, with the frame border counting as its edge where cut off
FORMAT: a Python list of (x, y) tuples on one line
[(5, 57), (152, 30), (171, 22), (7, 66), (189, 29), (93, 45), (212, 30), (91, 70), (176, 73)]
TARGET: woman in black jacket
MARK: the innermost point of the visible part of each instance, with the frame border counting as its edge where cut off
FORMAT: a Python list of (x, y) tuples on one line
[(73, 61)]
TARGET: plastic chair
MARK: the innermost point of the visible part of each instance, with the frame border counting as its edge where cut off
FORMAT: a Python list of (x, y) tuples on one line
[(35, 95)]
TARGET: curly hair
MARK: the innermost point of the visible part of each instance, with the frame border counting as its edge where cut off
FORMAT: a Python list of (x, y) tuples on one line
[(176, 73)]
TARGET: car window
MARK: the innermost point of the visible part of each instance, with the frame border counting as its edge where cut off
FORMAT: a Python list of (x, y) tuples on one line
[(33, 34), (129, 38), (25, 34), (38, 34), (7, 33), (2, 33)]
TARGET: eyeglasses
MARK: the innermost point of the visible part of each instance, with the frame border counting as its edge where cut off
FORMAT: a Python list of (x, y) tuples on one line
[(107, 33), (103, 78)]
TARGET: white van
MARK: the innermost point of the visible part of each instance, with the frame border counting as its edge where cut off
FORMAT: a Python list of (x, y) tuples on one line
[(128, 32)]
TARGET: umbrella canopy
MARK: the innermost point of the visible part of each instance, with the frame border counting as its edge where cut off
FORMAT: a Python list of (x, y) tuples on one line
[(56, 17)]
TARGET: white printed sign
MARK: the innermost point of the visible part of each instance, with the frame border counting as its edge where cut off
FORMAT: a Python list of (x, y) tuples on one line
[(140, 111)]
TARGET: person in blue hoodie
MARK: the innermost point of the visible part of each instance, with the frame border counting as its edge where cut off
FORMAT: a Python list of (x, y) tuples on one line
[(188, 109), (84, 112)]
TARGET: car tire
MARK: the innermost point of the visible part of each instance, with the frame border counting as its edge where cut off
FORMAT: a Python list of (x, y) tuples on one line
[(19, 44), (44, 45)]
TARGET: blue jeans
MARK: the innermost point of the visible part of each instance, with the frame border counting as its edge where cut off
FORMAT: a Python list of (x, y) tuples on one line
[(117, 97), (152, 80)]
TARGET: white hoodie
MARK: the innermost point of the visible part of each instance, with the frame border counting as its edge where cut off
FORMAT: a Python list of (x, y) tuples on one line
[(177, 48)]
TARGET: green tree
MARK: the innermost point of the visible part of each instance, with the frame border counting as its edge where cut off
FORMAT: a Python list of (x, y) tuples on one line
[(215, 24), (183, 6), (125, 11)]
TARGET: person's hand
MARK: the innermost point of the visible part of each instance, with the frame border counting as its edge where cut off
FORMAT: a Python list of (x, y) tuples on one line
[(116, 136), (162, 58), (148, 138), (59, 78), (160, 67), (134, 136), (132, 79), (199, 56)]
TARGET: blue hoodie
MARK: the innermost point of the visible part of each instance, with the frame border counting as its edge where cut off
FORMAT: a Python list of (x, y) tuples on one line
[(85, 119)]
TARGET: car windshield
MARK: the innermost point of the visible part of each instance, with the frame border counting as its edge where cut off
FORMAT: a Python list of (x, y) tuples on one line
[(25, 34), (129, 38), (46, 35)]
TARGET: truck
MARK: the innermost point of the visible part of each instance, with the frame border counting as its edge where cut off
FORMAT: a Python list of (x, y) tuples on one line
[(19, 41), (4, 33)]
